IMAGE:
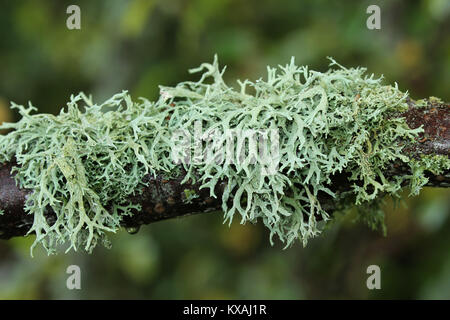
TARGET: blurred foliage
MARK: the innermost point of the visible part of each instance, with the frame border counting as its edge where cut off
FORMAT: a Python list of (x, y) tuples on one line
[(139, 44)]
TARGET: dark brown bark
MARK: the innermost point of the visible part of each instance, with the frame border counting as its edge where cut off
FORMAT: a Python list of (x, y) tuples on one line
[(165, 199)]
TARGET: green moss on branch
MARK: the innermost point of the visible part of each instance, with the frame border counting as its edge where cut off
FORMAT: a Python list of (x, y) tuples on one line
[(86, 163)]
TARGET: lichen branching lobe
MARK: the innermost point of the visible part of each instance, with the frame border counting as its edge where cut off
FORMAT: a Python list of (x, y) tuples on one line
[(92, 156)]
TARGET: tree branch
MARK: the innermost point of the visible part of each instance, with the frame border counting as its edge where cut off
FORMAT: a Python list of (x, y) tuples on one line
[(165, 199)]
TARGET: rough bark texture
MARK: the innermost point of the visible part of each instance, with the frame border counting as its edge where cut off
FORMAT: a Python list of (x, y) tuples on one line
[(165, 199)]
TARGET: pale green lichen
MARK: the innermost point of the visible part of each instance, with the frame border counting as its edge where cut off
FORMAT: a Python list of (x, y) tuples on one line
[(78, 162), (189, 195), (422, 103), (425, 102), (436, 100), (436, 164)]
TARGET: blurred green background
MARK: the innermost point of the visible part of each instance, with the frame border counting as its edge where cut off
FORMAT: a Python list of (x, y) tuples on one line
[(139, 44)]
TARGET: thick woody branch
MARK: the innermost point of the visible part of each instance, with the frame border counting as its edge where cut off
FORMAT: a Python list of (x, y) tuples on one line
[(165, 199)]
